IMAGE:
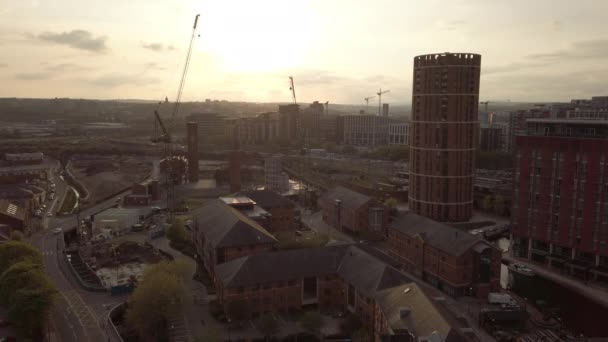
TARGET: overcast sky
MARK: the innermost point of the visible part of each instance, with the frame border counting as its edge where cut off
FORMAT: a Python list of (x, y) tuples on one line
[(337, 50)]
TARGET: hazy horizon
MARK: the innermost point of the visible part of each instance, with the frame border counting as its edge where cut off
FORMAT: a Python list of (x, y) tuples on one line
[(338, 51)]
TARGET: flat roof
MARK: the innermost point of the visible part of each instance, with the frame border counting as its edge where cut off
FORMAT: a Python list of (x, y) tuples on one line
[(574, 121), (237, 200)]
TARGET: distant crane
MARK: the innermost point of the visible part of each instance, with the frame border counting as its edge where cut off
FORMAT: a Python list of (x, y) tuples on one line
[(485, 103), (164, 136), (367, 102), (379, 93), (293, 90)]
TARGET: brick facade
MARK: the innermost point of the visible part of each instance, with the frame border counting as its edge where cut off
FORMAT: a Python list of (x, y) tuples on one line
[(456, 272)]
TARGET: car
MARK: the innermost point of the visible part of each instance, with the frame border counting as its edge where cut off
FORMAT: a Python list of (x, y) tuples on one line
[(49, 214), (58, 231)]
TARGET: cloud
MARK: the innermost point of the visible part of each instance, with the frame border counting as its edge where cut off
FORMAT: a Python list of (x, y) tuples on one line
[(33, 76), (117, 79), (596, 48), (77, 39), (66, 67), (3, 65), (157, 47)]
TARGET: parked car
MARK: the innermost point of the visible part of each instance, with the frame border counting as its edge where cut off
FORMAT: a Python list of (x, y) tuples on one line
[(58, 231)]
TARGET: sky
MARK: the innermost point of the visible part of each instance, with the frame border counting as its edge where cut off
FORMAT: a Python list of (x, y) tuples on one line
[(337, 50)]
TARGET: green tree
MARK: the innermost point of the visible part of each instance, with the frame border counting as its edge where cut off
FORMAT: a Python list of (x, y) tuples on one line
[(160, 292), (499, 205), (312, 321), (12, 252), (177, 232), (25, 290), (486, 204), (268, 325), (362, 335)]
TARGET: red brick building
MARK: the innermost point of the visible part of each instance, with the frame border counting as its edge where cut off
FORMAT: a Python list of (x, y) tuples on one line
[(143, 193), (222, 233), (452, 260), (282, 210), (351, 211), (560, 195), (337, 278)]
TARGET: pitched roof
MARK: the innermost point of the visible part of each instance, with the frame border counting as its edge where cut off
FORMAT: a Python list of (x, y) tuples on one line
[(442, 236), (10, 209), (269, 199), (280, 266), (367, 273), (225, 226), (349, 198), (407, 307), (15, 191)]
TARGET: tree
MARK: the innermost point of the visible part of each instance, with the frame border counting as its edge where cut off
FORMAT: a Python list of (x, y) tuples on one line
[(16, 235), (12, 252), (362, 335), (499, 205), (268, 325), (176, 232), (25, 290), (486, 204), (161, 291), (312, 321)]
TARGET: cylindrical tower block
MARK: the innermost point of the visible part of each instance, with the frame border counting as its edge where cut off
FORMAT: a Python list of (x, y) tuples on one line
[(444, 135)]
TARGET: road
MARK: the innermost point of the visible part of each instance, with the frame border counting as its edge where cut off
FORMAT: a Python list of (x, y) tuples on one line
[(78, 315)]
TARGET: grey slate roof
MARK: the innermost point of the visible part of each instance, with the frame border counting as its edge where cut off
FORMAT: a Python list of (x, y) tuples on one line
[(442, 236), (225, 226), (367, 273), (268, 199), (362, 270), (280, 266), (349, 198)]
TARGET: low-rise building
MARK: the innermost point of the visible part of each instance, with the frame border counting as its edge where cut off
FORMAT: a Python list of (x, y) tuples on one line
[(222, 233), (14, 216), (282, 210), (337, 278), (450, 259), (366, 130), (348, 210), (24, 158), (143, 193)]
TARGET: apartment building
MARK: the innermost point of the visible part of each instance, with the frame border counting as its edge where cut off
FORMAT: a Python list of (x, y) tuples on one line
[(560, 195)]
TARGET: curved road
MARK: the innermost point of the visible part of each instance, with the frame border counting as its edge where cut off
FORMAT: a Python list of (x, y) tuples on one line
[(77, 315)]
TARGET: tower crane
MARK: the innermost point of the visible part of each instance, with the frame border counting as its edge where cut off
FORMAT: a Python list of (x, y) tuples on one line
[(164, 136), (367, 102), (379, 93), (293, 90)]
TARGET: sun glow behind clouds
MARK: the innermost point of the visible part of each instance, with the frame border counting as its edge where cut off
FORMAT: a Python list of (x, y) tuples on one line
[(256, 36)]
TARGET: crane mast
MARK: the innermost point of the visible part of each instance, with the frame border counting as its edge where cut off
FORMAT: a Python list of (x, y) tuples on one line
[(165, 136), (293, 90), (379, 93)]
